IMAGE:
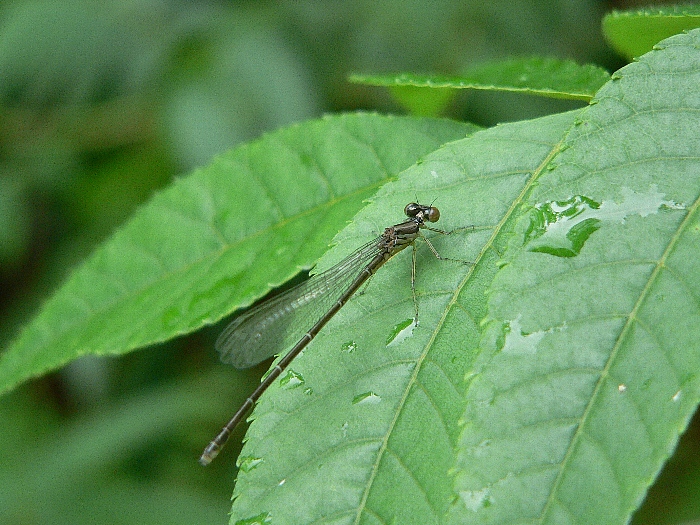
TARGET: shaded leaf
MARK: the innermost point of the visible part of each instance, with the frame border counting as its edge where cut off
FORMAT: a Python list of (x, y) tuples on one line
[(549, 77), (633, 33)]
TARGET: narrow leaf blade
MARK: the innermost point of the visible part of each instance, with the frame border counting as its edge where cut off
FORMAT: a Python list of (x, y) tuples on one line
[(549, 77)]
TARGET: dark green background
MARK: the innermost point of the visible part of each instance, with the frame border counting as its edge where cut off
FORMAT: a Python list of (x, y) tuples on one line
[(100, 106)]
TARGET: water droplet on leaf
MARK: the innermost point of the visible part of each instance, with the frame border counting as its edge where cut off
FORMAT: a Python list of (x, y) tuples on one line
[(366, 398), (291, 379), (401, 332), (248, 463)]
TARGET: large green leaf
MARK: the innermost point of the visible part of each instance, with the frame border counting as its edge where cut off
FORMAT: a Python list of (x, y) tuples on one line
[(590, 359), (369, 435), (205, 246), (586, 372)]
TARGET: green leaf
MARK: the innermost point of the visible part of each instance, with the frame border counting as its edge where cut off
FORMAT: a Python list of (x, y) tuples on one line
[(370, 434), (633, 33), (549, 77), (220, 238), (589, 365)]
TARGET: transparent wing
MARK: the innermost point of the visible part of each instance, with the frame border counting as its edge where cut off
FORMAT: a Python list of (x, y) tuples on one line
[(277, 324)]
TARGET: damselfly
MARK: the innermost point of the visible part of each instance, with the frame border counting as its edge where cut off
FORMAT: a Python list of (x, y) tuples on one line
[(298, 314)]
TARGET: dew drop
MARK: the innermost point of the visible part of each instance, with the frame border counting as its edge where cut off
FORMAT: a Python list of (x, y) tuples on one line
[(291, 379), (475, 500), (349, 347), (261, 519), (248, 463), (367, 398), (561, 228), (401, 332)]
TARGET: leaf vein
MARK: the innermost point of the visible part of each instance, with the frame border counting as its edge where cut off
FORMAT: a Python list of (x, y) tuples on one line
[(622, 337)]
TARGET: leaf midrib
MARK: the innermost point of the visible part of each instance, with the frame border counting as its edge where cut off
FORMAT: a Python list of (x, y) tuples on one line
[(413, 379)]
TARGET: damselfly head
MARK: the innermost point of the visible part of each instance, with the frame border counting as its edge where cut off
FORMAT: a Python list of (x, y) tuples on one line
[(425, 213)]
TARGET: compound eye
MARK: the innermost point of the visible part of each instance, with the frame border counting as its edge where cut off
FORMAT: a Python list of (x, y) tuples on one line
[(412, 209), (433, 214)]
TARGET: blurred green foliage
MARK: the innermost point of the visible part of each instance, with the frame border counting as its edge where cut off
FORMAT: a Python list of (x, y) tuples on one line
[(101, 105)]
